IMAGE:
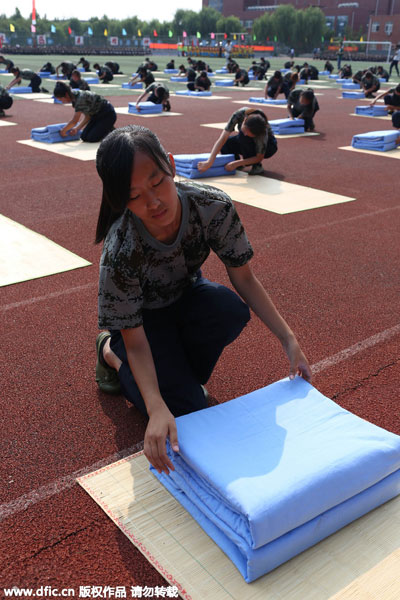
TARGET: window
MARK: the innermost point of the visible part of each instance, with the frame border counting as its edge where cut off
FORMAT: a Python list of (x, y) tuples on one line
[(217, 4), (388, 28), (375, 27), (248, 24)]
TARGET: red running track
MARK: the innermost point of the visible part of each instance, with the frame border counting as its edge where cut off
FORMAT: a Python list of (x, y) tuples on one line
[(333, 273)]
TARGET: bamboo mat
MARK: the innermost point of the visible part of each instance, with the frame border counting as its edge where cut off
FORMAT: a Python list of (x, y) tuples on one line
[(359, 562)]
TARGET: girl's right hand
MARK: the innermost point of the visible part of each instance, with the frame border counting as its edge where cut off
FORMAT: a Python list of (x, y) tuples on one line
[(160, 426), (204, 165)]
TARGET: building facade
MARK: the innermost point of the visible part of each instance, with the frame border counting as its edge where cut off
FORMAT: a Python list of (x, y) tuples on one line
[(384, 28), (339, 14)]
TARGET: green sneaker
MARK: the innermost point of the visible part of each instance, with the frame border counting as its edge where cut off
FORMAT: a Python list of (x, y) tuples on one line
[(106, 377), (256, 169)]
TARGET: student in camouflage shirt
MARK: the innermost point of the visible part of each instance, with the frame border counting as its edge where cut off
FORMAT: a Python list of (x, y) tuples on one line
[(5, 101), (158, 93), (29, 75), (93, 113), (167, 325), (7, 62), (254, 141)]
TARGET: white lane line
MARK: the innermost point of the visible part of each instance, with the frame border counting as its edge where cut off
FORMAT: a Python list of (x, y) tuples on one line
[(382, 336), (78, 288), (62, 483)]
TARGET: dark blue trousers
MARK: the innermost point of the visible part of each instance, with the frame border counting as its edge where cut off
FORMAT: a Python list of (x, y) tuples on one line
[(186, 340), (244, 145)]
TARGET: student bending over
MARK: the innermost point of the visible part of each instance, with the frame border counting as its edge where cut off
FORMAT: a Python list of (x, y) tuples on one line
[(104, 73), (144, 75), (274, 86), (6, 101), (168, 325), (93, 113), (77, 82), (370, 84), (66, 69), (114, 66), (303, 104), (7, 62), (241, 76), (20, 74), (255, 141), (157, 93), (391, 98), (85, 64), (47, 68), (202, 83)]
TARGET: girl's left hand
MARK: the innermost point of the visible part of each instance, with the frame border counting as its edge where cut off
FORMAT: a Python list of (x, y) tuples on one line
[(73, 131), (231, 166), (298, 362), (63, 133)]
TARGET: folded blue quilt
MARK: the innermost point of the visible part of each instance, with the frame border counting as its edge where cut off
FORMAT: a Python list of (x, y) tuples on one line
[(90, 80), (136, 86), (301, 82), (287, 126), (324, 73), (272, 473), (350, 86), (353, 95), (186, 165), (268, 100), (171, 71), (371, 111), (223, 82), (183, 79), (146, 108), (60, 77), (50, 134), (283, 71), (190, 93), (333, 76), (382, 80), (382, 141), (221, 71), (20, 90), (81, 70), (343, 80), (44, 73), (3, 71)]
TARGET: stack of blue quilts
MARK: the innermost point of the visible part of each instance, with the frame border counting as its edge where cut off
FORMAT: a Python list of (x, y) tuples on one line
[(268, 100), (333, 76), (287, 126), (61, 77), (221, 71), (343, 80), (301, 82), (171, 71), (20, 90), (324, 73), (371, 111), (183, 79), (136, 86), (350, 86), (145, 108), (44, 73), (381, 141), (223, 82), (274, 472), (91, 80), (186, 165), (352, 95), (190, 93), (51, 134)]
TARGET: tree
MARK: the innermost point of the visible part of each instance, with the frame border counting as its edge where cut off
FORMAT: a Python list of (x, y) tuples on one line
[(263, 27), (76, 26), (208, 18), (284, 20), (229, 25)]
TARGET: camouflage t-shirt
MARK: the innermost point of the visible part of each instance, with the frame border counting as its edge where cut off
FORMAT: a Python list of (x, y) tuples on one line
[(137, 271)]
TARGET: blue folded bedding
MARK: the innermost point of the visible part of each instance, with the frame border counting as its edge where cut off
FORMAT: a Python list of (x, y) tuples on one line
[(223, 82), (61, 77), (268, 100), (20, 90), (353, 95), (221, 71), (81, 70), (350, 86), (186, 165), (283, 71), (50, 134), (287, 126), (190, 93), (324, 73), (146, 108), (183, 79), (382, 141), (371, 111), (301, 82), (271, 473), (90, 80), (136, 86), (343, 80), (382, 79), (333, 76), (3, 71), (171, 71), (44, 73)]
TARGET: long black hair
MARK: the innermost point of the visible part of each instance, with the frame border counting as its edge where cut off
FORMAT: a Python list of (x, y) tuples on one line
[(114, 163)]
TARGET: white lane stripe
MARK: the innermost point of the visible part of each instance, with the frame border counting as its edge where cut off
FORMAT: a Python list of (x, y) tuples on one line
[(78, 288), (383, 336), (67, 481), (62, 483)]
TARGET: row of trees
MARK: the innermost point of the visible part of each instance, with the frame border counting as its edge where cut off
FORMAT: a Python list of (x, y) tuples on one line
[(302, 29)]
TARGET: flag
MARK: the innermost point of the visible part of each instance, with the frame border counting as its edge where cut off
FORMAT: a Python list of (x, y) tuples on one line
[(33, 28), (361, 39), (123, 31), (12, 28), (198, 35), (33, 13), (155, 33), (170, 34), (225, 36), (52, 28), (322, 38), (212, 35), (234, 36), (69, 30), (139, 32), (106, 32), (184, 34), (254, 38), (275, 38), (331, 40), (242, 37), (90, 31)]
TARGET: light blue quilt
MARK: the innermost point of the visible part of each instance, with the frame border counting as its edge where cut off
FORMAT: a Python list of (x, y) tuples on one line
[(287, 126), (146, 108), (372, 110), (376, 140), (51, 134), (271, 473), (186, 165), (268, 100)]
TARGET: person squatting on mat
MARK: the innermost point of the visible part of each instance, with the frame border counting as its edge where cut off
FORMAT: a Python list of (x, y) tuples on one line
[(104, 73), (303, 104), (7, 62), (158, 93), (85, 64), (6, 101), (29, 75), (77, 82), (48, 68), (114, 66), (370, 84), (66, 69), (144, 75), (391, 99), (93, 113), (168, 325), (254, 141)]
